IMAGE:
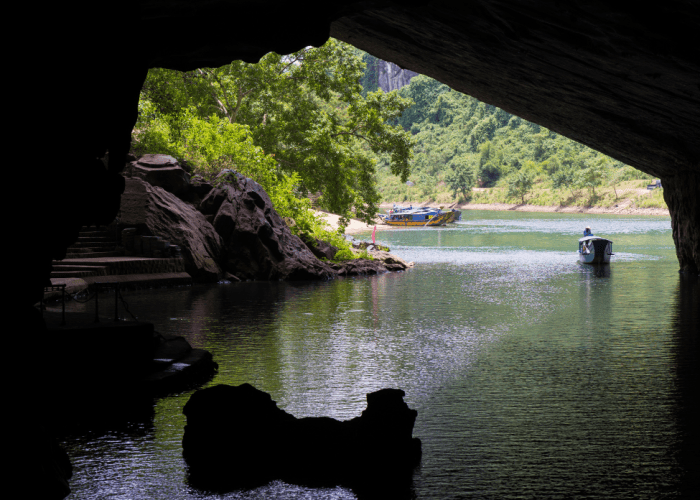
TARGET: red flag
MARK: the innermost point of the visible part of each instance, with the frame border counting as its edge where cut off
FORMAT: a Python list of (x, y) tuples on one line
[(373, 233)]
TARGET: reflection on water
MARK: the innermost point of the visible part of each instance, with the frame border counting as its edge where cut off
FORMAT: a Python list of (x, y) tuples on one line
[(534, 376)]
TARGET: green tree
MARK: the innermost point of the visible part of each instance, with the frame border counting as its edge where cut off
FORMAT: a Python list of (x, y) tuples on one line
[(564, 178), (460, 176), (488, 170), (520, 183), (591, 176), (424, 93)]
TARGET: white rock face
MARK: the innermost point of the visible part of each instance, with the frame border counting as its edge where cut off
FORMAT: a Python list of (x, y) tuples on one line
[(391, 77)]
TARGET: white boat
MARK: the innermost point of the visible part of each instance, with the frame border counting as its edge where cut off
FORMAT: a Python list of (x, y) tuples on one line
[(594, 250)]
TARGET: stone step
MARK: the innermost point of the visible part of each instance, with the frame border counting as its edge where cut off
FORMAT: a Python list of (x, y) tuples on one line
[(96, 238), (71, 274), (93, 244), (127, 265), (77, 271), (90, 253)]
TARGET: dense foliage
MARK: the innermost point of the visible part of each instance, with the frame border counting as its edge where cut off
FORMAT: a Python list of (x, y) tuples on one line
[(299, 119), (462, 142)]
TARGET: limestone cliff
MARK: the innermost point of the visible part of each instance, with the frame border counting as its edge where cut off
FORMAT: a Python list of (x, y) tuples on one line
[(384, 75), (392, 77)]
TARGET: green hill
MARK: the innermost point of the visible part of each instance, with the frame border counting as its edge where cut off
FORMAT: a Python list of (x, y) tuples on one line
[(463, 143)]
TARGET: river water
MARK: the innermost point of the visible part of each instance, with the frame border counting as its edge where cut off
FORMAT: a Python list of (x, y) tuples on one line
[(533, 376)]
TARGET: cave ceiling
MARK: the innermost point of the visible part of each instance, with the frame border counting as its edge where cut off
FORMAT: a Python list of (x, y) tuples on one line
[(622, 78)]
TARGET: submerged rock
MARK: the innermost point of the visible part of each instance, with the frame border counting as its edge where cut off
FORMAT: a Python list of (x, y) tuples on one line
[(357, 267), (390, 261), (238, 437)]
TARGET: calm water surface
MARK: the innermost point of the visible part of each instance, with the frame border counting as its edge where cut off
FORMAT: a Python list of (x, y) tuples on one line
[(533, 376)]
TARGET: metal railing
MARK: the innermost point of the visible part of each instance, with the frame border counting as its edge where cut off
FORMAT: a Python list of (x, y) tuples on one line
[(55, 288), (95, 294)]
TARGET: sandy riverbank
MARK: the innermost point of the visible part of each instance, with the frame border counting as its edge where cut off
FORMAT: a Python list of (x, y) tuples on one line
[(354, 227)]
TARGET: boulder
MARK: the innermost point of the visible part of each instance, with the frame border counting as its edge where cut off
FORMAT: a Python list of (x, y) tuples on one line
[(154, 210), (238, 437), (212, 201), (199, 188), (259, 245), (321, 249), (163, 171)]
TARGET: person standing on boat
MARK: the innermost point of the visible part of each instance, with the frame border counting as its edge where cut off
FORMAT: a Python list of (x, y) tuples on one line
[(587, 231)]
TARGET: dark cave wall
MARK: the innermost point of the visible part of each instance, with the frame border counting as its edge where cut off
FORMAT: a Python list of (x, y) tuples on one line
[(683, 199)]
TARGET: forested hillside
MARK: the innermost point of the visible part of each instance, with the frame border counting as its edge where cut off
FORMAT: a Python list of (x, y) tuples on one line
[(462, 143)]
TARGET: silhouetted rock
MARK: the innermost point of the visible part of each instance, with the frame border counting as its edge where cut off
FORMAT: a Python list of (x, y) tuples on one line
[(165, 215), (259, 245), (238, 437)]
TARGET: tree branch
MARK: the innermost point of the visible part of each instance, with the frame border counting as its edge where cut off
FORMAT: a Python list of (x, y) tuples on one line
[(222, 106)]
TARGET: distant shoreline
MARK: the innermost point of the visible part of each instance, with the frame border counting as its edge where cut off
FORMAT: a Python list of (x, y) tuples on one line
[(357, 226), (537, 208)]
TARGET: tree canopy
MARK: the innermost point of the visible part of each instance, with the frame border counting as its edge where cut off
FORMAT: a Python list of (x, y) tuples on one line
[(304, 112)]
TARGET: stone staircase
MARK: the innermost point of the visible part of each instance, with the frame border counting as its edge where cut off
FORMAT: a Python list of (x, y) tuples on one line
[(94, 242), (97, 258)]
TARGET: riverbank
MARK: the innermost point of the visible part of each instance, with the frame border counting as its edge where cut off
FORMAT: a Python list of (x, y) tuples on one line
[(333, 221), (622, 209)]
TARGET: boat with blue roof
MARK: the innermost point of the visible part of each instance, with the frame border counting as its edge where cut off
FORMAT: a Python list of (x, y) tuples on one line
[(419, 216)]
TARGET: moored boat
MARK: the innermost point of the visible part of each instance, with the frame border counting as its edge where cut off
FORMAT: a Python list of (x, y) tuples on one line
[(418, 218), (594, 250)]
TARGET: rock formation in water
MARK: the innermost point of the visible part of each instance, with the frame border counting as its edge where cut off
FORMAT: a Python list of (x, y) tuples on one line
[(238, 437), (259, 245), (236, 232)]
